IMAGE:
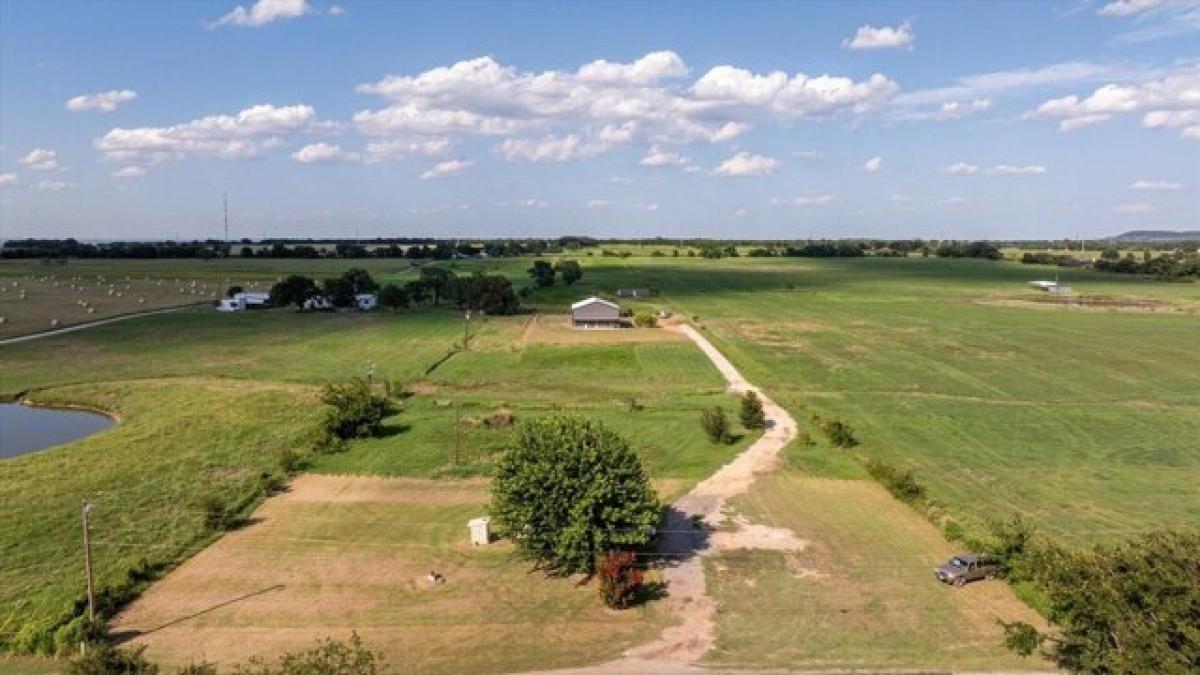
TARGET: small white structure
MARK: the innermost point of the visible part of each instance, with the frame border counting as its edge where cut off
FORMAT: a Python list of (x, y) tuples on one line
[(1052, 287), (595, 312), (366, 301), (480, 536), (240, 302), (318, 302)]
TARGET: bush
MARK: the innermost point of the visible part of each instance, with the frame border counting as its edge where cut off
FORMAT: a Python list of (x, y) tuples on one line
[(902, 484), (644, 320), (202, 668), (568, 490), (620, 579), (105, 659), (330, 657), (290, 461), (217, 514), (1010, 541), (715, 424), (839, 433), (751, 413), (354, 412)]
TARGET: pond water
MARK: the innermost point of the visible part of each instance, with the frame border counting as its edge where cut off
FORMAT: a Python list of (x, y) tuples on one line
[(25, 429)]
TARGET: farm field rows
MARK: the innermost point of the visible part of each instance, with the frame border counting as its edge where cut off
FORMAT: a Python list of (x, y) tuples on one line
[(1084, 420)]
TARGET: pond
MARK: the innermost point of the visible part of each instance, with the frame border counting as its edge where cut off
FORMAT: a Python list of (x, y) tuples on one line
[(25, 429)]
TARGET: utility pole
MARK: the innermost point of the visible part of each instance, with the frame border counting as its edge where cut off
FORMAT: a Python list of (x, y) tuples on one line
[(87, 561), (225, 206)]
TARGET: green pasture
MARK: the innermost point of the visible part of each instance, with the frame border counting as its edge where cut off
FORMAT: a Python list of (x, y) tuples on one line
[(208, 401)]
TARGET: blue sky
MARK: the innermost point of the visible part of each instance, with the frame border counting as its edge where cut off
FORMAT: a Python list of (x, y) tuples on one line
[(457, 119)]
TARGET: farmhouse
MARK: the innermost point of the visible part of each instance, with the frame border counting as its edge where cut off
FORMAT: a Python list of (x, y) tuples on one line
[(241, 301), (595, 313)]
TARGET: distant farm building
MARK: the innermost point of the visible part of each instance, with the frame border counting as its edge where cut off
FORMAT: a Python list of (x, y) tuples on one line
[(634, 292), (242, 301), (595, 313), (366, 301), (318, 302), (1052, 287)]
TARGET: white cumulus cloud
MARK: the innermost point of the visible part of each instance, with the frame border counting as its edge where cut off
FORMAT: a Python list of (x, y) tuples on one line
[(324, 153), (7, 179), (747, 164), (106, 101), (968, 169), (1157, 185), (41, 159), (658, 157), (129, 172), (54, 185), (246, 134), (872, 165), (447, 168), (883, 37), (563, 114), (1171, 102), (262, 13), (1128, 7), (814, 200)]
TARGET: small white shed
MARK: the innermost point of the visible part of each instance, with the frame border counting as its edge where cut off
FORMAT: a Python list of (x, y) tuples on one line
[(366, 301), (480, 535)]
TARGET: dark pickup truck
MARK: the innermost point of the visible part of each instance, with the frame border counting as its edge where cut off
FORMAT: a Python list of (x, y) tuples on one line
[(963, 568)]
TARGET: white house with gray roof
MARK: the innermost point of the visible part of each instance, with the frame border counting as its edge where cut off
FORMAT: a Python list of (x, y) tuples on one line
[(596, 313)]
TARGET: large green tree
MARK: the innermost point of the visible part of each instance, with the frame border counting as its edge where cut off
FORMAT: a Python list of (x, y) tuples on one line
[(1129, 608), (542, 273), (293, 290), (569, 490), (570, 271)]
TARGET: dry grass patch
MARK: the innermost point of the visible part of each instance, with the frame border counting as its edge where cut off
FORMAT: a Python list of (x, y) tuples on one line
[(343, 553), (859, 594)]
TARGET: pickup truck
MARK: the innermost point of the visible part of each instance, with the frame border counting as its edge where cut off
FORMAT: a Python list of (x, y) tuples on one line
[(965, 567)]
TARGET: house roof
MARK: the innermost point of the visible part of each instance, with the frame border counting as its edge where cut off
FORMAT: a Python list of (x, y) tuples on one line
[(592, 300)]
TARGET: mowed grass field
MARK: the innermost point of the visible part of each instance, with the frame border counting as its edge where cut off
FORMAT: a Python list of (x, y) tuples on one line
[(861, 593), (1085, 420), (208, 401)]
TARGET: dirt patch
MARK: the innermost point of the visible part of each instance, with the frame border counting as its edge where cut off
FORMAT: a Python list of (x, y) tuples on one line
[(377, 489), (747, 535), (1093, 304)]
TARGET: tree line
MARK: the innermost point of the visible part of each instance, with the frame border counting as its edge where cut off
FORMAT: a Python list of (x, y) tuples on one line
[(436, 287)]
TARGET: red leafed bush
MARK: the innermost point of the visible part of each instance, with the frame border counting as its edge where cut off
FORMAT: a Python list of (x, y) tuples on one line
[(620, 579)]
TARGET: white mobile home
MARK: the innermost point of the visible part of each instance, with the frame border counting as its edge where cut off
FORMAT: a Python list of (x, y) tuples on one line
[(240, 302)]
